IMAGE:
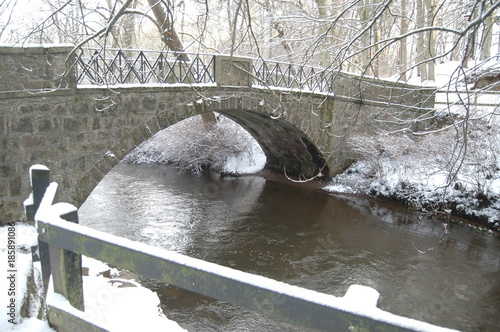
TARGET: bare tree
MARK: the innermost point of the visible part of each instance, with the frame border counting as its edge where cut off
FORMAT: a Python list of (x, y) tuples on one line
[(162, 10)]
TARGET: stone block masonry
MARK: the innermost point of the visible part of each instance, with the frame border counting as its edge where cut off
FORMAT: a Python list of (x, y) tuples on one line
[(36, 68)]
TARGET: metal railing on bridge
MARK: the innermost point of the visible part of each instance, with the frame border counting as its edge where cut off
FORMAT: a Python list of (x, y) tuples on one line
[(117, 66), (293, 76), (120, 66)]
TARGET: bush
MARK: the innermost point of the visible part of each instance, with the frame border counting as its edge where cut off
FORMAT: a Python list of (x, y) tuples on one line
[(195, 146)]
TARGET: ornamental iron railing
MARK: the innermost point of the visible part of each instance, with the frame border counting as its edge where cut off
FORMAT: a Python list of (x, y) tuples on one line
[(293, 76), (117, 66)]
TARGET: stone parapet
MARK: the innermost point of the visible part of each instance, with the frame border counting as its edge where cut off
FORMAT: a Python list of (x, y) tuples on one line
[(233, 71), (36, 68)]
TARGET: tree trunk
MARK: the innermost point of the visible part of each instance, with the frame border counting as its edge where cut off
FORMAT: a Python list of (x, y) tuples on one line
[(364, 14), (421, 67), (169, 35), (430, 51), (323, 31), (403, 52), (487, 38), (129, 28), (471, 39), (209, 120), (375, 61)]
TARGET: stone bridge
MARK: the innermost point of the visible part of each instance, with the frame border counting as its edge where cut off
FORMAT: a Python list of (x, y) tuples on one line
[(80, 131)]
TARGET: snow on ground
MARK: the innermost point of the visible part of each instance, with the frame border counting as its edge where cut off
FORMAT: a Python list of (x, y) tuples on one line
[(246, 162), (117, 304), (25, 237), (121, 304)]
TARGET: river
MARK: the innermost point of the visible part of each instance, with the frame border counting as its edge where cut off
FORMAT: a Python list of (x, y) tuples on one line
[(448, 276)]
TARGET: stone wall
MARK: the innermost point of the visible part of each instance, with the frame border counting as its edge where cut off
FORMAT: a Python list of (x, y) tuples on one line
[(36, 68)]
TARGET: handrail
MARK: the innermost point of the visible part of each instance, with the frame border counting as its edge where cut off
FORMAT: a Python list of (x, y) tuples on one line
[(128, 66), (67, 241), (483, 99), (288, 75), (116, 66)]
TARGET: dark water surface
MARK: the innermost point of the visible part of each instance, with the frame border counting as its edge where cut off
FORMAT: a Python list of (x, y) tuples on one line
[(303, 237)]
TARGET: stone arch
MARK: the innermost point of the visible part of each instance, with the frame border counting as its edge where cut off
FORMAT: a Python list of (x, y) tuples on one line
[(286, 147)]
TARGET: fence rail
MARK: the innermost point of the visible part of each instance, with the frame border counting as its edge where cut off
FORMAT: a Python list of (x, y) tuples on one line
[(117, 66), (488, 100), (293, 76), (66, 241)]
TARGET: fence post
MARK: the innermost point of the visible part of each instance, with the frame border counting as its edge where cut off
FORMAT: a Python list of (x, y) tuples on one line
[(67, 267), (40, 179)]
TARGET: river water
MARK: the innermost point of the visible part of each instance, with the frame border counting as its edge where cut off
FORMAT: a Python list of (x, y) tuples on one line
[(423, 270)]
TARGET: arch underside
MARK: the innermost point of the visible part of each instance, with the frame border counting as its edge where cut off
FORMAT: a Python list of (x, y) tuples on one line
[(287, 149)]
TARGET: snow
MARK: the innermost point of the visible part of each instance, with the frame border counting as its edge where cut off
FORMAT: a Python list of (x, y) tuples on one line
[(246, 163), (110, 154), (29, 201), (28, 325), (26, 236), (360, 295), (417, 171), (296, 90), (147, 85), (189, 145), (420, 188), (428, 170), (110, 304)]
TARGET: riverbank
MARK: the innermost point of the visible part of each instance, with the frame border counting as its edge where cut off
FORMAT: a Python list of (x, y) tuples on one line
[(423, 190)]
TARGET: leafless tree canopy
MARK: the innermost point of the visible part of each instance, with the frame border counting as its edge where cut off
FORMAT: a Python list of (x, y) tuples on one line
[(387, 38)]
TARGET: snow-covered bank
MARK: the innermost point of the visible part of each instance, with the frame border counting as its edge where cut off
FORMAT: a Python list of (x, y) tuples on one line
[(116, 303), (437, 173), (452, 168), (191, 145), (25, 236)]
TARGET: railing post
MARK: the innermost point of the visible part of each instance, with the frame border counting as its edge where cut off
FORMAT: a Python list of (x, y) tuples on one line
[(67, 266), (233, 71), (40, 179)]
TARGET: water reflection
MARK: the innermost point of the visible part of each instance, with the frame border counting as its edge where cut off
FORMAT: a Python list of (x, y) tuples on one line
[(303, 237)]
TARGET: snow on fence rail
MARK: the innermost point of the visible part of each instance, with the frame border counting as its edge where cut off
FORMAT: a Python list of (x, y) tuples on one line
[(64, 241)]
